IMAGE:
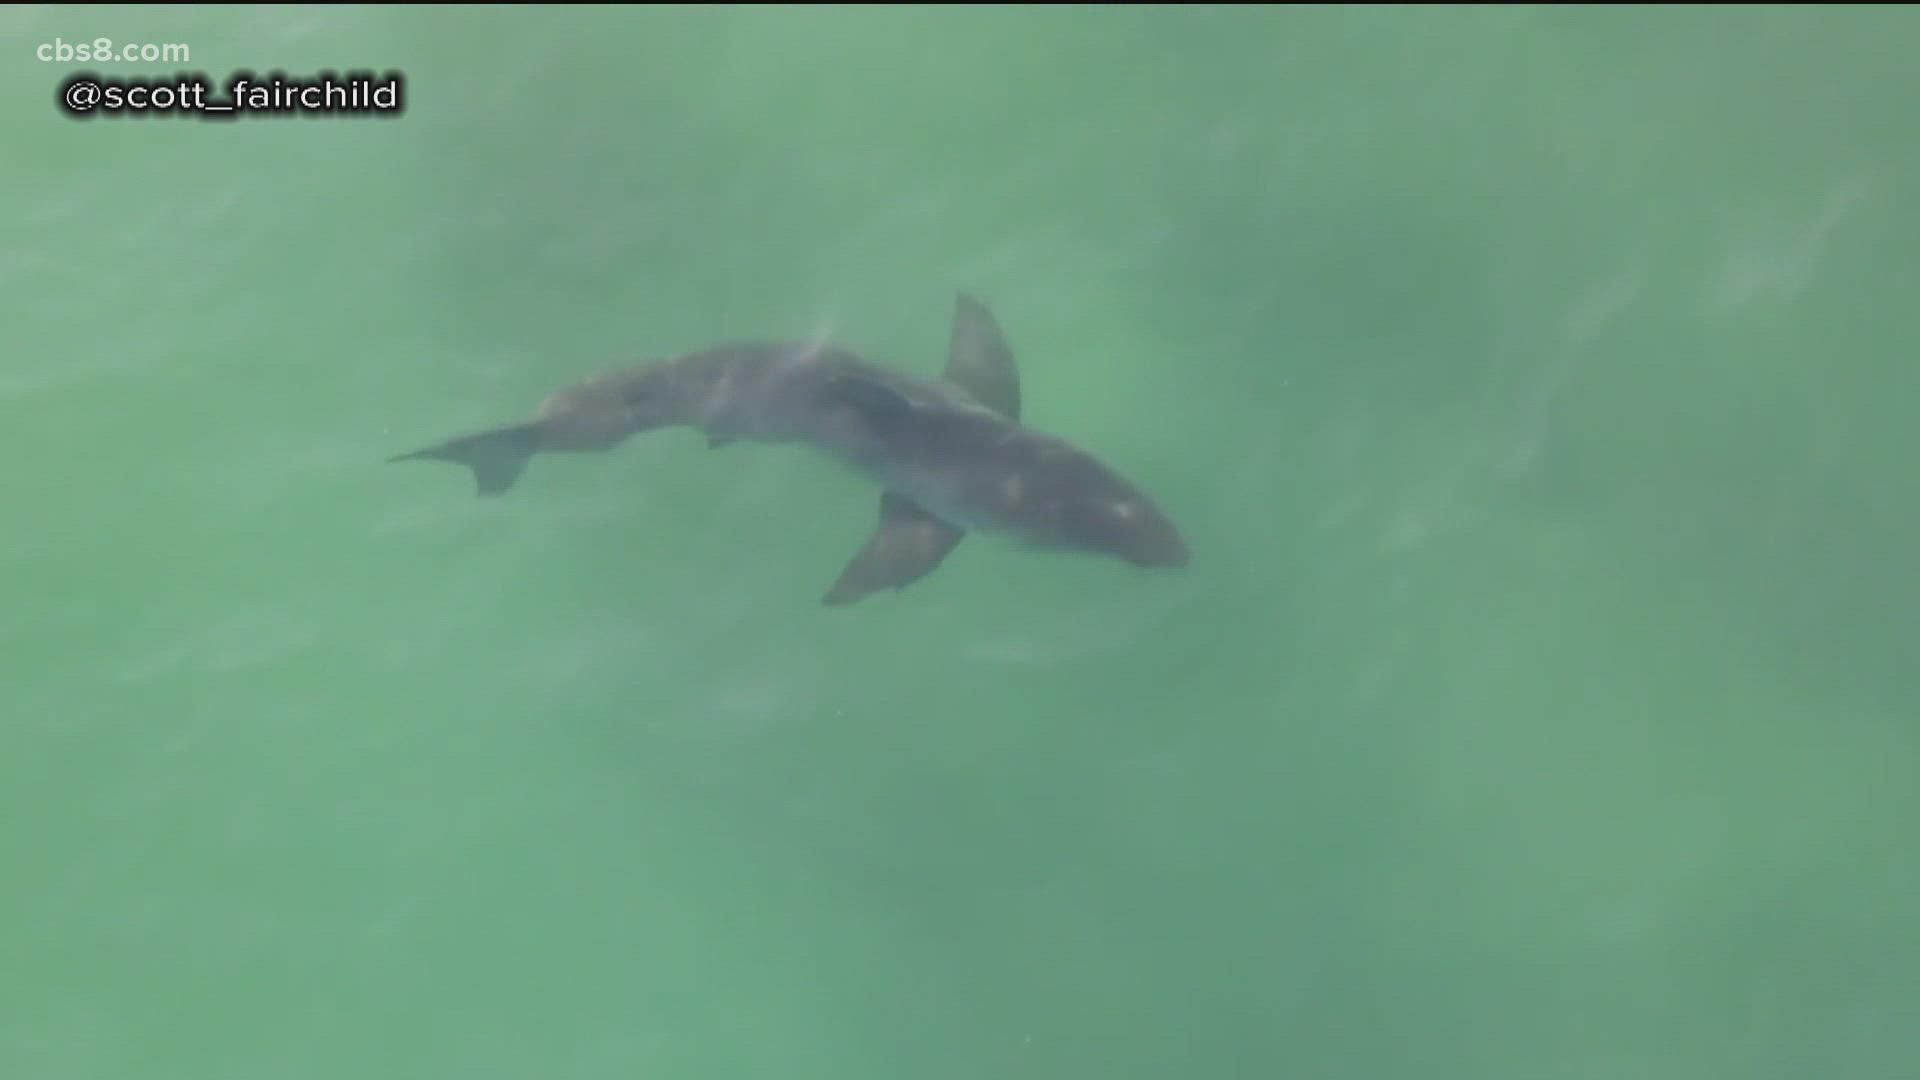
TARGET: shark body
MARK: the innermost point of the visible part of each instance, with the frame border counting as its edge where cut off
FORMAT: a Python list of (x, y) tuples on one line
[(950, 455)]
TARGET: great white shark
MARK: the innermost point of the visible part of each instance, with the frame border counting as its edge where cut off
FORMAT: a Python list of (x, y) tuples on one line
[(950, 454)]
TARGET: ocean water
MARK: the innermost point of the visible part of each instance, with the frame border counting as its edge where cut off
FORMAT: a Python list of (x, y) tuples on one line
[(1534, 386)]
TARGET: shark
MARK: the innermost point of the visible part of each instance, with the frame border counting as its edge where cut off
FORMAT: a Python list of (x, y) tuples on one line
[(950, 454)]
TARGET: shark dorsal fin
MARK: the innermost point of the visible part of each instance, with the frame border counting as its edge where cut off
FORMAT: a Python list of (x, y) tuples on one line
[(980, 361)]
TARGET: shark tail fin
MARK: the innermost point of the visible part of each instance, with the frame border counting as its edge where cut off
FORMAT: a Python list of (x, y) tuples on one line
[(496, 457)]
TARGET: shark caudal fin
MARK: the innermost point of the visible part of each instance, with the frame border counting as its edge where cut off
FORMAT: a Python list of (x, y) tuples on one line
[(496, 457)]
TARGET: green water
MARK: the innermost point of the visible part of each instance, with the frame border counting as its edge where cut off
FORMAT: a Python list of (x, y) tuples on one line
[(1533, 386)]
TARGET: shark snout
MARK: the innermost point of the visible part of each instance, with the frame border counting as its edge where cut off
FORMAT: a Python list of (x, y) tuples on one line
[(1131, 528), (1157, 544)]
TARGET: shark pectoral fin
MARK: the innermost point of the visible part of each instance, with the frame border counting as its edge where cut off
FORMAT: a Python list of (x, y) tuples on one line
[(980, 361), (906, 545), (715, 442), (881, 406), (496, 457)]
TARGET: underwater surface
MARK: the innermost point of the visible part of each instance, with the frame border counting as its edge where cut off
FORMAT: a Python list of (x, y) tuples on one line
[(1533, 387)]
